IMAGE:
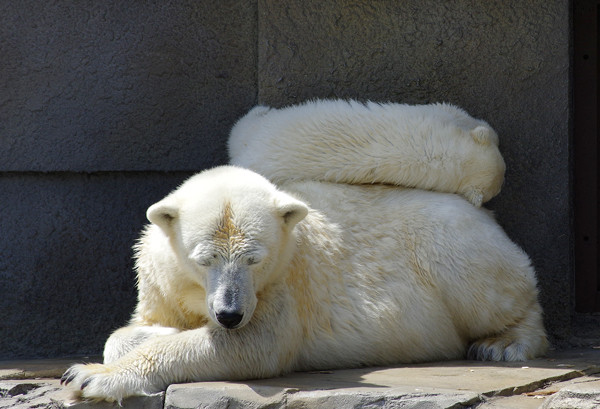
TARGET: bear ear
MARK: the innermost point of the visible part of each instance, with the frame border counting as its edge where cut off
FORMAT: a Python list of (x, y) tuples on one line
[(291, 210), (162, 214)]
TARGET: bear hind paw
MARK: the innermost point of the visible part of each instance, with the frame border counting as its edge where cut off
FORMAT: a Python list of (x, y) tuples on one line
[(484, 135), (499, 349), (475, 196)]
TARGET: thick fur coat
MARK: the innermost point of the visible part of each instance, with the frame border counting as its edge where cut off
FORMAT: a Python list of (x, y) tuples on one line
[(239, 278), (434, 147)]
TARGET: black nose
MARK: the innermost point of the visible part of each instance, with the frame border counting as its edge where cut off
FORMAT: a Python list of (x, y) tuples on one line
[(229, 319)]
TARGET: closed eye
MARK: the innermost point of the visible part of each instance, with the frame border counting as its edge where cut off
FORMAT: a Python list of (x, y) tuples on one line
[(253, 257), (207, 261)]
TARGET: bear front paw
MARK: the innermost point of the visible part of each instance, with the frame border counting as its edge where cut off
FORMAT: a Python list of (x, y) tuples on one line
[(102, 382)]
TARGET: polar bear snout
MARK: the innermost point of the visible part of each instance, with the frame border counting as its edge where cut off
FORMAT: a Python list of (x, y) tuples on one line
[(228, 307), (229, 319), (230, 310), (231, 298)]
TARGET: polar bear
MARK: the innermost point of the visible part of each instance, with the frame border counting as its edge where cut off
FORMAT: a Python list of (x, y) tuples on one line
[(240, 279), (435, 147)]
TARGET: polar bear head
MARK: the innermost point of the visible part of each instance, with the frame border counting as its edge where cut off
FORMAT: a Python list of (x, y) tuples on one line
[(232, 232)]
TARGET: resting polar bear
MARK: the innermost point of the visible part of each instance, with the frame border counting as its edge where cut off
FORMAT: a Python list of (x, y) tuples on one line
[(240, 279), (435, 147)]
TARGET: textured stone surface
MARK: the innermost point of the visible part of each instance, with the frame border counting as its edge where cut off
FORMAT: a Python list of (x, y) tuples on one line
[(42, 368), (24, 395), (106, 85), (580, 395), (47, 393), (457, 384), (433, 385), (66, 262), (312, 392), (505, 62), (217, 395)]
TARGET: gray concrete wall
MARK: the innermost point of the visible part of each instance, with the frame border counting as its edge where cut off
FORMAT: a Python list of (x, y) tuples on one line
[(105, 106)]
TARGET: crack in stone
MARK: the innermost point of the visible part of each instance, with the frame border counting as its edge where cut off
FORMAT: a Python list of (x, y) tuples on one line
[(533, 386)]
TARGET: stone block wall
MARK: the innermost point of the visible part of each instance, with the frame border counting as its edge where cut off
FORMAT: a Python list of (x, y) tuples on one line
[(105, 106)]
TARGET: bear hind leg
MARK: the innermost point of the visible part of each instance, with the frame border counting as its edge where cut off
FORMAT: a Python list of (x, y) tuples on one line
[(522, 341)]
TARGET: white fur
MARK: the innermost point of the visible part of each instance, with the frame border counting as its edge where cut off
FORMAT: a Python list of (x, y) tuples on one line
[(326, 276), (435, 147)]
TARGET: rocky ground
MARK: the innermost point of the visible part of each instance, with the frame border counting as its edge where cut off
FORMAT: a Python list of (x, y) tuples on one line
[(566, 379)]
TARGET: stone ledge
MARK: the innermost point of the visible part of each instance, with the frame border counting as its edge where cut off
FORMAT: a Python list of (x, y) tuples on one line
[(553, 382), (584, 394), (39, 368)]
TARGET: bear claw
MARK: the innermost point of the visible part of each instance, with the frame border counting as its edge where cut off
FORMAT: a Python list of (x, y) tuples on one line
[(85, 383), (67, 377)]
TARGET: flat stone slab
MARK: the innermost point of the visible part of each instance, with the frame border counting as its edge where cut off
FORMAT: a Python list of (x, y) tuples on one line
[(439, 385), (48, 393), (552, 382), (539, 397), (39, 368), (584, 394)]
